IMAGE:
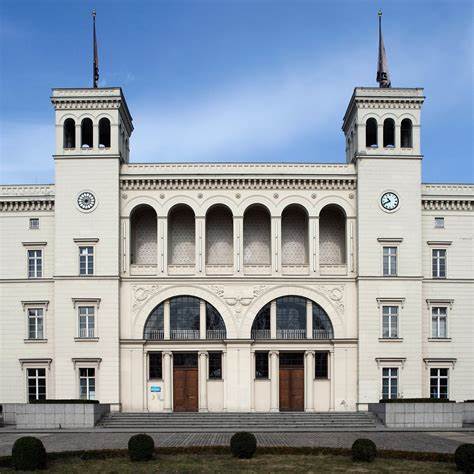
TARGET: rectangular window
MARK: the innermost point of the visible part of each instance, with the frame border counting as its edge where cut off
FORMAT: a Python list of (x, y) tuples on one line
[(86, 321), (87, 384), (439, 319), (321, 365), (261, 365), (390, 261), (438, 383), (86, 260), (390, 321), (34, 223), (439, 263), (215, 365), (36, 380), (439, 222), (155, 367), (389, 383), (35, 263), (35, 323)]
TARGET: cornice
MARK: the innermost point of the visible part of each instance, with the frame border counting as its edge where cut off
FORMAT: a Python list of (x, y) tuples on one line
[(26, 190), (447, 204), (27, 205)]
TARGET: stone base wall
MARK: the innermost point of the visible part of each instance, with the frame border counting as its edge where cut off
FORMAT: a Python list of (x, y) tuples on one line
[(419, 415), (468, 416)]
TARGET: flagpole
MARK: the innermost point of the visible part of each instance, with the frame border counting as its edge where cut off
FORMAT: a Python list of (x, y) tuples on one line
[(95, 67)]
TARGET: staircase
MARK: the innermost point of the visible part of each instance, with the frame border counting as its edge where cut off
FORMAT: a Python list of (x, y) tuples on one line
[(230, 422)]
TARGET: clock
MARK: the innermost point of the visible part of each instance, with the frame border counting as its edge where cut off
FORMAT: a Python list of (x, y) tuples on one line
[(86, 201), (389, 201)]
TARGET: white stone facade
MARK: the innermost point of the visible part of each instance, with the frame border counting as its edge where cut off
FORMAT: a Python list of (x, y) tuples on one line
[(382, 297)]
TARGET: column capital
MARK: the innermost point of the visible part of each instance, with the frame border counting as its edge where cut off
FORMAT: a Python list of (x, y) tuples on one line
[(203, 353), (167, 353), (274, 353), (309, 353)]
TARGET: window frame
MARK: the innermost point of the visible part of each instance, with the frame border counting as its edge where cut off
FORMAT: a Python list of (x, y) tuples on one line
[(439, 317), (439, 303), (390, 378), (214, 354), (159, 355), (88, 314), (390, 316), (439, 219), (437, 276), (36, 378), (89, 265), (81, 303), (30, 223), (35, 274), (87, 378), (262, 354), (36, 317), (85, 243), (390, 256), (35, 305), (327, 356), (440, 377)]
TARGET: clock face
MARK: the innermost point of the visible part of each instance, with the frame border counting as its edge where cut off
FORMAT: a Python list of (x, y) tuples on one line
[(86, 201), (389, 201)]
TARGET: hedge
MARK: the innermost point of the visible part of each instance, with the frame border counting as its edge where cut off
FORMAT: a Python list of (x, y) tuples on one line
[(416, 400)]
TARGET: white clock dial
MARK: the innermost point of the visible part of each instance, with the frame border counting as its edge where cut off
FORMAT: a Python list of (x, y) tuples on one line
[(86, 200), (389, 201)]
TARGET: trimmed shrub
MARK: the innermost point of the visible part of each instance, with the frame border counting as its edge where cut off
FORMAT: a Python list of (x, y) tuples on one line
[(364, 450), (464, 458), (141, 447), (243, 445), (28, 454)]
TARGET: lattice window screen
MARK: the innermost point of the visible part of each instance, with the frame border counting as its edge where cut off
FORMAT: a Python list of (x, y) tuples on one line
[(257, 236), (219, 236), (144, 236), (332, 237), (294, 236), (181, 235)]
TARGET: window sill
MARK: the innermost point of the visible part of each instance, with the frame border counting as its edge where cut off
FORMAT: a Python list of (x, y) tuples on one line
[(390, 339), (86, 339), (35, 341), (262, 379), (439, 339), (215, 380)]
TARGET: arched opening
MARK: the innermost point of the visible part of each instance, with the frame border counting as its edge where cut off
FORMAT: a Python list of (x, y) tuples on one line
[(69, 133), (371, 140), (86, 133), (181, 236), (389, 133), (257, 236), (292, 316), (294, 236), (104, 133), (406, 132), (143, 232), (220, 238), (332, 236), (185, 314)]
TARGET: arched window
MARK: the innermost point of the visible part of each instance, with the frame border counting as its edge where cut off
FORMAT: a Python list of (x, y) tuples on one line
[(69, 133), (389, 133), (86, 133), (371, 133), (219, 237), (184, 314), (294, 236), (406, 132), (104, 133), (291, 315), (332, 236), (257, 236), (261, 324), (143, 229), (181, 236)]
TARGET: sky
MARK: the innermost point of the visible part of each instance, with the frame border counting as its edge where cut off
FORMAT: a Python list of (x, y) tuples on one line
[(220, 81)]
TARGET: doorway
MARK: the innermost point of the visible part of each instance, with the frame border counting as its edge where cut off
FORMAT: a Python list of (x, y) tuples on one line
[(185, 381), (291, 381)]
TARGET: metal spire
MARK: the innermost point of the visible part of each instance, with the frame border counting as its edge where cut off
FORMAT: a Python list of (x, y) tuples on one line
[(95, 73), (383, 76)]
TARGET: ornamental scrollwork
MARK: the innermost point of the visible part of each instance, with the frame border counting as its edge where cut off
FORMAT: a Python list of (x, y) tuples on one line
[(141, 294)]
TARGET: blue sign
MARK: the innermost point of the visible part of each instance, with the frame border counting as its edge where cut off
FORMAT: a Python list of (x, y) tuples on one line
[(155, 388)]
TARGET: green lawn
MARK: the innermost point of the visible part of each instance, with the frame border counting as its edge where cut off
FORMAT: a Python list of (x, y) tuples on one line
[(264, 463)]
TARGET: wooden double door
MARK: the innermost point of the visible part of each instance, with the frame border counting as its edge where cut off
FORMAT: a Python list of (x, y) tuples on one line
[(291, 381), (185, 382)]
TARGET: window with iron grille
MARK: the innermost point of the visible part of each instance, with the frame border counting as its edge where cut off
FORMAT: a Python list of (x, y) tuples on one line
[(155, 365), (35, 263), (439, 222), (215, 365), (86, 321), (439, 320), (439, 383), (389, 382), (86, 260), (439, 263), (389, 261), (35, 323), (184, 317), (321, 360), (34, 223), (87, 383), (390, 322), (261, 365), (36, 380)]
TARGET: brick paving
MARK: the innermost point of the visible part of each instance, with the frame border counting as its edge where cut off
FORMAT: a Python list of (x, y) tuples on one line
[(443, 442)]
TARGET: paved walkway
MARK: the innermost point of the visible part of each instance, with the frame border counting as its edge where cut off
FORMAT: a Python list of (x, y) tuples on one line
[(442, 442)]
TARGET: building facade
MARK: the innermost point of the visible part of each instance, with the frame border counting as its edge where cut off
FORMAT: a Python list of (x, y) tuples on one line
[(237, 287)]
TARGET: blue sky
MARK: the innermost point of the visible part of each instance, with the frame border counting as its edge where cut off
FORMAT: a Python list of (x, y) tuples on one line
[(240, 80)]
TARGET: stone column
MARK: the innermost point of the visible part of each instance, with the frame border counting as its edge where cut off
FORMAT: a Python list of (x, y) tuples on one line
[(380, 136), (166, 319), (309, 380), (274, 379), (168, 381), (202, 319), (78, 135), (202, 369), (332, 368), (275, 245), (313, 231), (309, 319), (238, 245), (273, 324), (162, 243), (252, 381), (200, 247), (95, 136)]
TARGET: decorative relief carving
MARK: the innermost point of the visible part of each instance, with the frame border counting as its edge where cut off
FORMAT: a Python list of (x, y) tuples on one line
[(335, 294), (141, 294)]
